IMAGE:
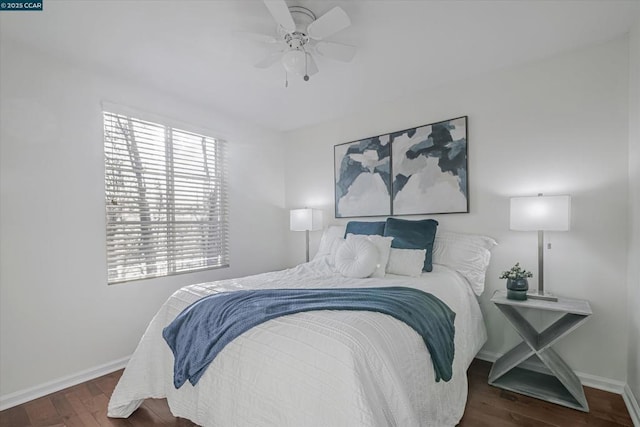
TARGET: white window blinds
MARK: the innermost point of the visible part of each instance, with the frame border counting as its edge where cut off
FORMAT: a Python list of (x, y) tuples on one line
[(166, 200)]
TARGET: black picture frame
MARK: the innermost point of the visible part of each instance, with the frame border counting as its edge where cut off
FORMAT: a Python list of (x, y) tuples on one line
[(417, 171)]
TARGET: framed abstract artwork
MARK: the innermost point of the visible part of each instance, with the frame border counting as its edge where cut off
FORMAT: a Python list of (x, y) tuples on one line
[(429, 165), (363, 177), (417, 171)]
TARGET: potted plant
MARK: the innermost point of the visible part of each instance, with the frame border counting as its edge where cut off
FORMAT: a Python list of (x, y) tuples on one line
[(517, 284)]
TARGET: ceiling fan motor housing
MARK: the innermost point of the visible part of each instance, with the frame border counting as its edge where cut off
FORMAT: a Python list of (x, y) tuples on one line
[(295, 60), (302, 17)]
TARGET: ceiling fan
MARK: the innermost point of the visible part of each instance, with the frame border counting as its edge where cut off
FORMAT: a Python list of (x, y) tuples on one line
[(300, 35)]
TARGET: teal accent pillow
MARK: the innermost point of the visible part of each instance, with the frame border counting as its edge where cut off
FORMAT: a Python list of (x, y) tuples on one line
[(365, 227), (408, 234)]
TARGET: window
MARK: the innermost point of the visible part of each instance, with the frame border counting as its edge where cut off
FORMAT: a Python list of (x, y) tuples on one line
[(166, 200)]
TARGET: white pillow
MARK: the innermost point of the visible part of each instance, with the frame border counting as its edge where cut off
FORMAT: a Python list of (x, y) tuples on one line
[(335, 245), (383, 245), (406, 262), (468, 254), (356, 258), (329, 240)]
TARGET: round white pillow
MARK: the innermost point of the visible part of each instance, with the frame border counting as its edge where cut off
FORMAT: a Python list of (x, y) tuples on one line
[(356, 258)]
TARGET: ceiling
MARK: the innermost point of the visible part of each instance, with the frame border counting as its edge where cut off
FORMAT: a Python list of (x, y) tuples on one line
[(188, 48)]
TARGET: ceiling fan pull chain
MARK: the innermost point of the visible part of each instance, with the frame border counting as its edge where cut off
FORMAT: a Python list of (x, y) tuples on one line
[(306, 72), (286, 79)]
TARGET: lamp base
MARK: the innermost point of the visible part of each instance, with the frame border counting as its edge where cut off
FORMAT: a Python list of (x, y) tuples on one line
[(542, 296)]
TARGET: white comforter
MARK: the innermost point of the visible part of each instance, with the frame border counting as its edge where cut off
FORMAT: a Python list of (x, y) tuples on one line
[(322, 368)]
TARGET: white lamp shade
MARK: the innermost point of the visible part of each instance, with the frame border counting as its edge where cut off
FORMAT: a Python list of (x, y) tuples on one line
[(305, 219), (546, 213)]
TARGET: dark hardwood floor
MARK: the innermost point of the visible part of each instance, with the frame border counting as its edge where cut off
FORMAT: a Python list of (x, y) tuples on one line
[(86, 405), (492, 407)]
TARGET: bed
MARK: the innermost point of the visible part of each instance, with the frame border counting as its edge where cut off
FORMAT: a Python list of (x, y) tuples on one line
[(322, 368)]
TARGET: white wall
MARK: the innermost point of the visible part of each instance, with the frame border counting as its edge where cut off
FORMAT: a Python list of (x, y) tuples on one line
[(633, 378), (58, 316), (557, 126)]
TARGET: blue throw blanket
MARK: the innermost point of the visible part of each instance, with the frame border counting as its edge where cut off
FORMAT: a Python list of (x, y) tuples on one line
[(204, 328)]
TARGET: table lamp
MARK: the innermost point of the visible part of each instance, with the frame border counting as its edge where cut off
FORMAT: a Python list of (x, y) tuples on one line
[(305, 220), (540, 213)]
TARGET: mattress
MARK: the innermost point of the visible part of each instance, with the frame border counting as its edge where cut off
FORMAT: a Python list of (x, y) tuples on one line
[(319, 368)]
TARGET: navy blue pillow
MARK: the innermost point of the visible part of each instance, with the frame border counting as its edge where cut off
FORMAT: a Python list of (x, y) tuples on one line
[(365, 227), (413, 235)]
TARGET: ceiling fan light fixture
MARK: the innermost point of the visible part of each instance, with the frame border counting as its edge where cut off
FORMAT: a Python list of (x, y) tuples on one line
[(295, 61)]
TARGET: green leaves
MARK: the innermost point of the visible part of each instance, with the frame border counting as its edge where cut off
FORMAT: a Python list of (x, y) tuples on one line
[(516, 272)]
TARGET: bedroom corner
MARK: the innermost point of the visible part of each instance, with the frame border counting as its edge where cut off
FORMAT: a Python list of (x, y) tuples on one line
[(53, 272)]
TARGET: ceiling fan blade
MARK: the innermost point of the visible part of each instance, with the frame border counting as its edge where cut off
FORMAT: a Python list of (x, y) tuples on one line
[(281, 14), (329, 23), (338, 51), (255, 37), (269, 60)]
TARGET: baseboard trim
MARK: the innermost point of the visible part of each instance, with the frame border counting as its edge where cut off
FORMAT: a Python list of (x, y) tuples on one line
[(632, 405), (13, 399), (588, 380)]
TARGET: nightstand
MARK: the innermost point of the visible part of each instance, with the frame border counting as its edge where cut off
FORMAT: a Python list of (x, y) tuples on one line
[(552, 380)]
